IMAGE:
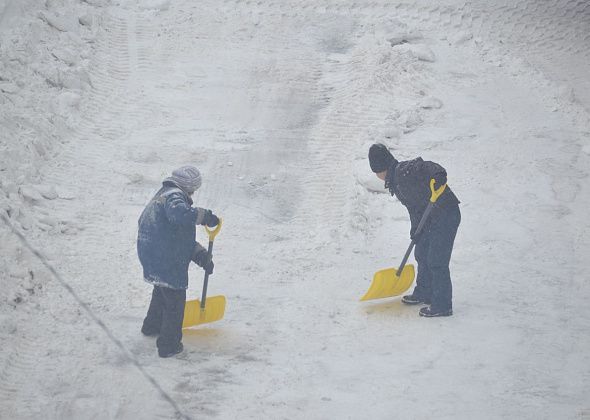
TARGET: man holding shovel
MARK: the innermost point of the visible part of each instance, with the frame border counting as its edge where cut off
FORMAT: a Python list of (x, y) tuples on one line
[(166, 245), (409, 181)]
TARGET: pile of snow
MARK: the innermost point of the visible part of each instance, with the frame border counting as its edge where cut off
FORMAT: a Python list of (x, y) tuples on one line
[(391, 61), (44, 58)]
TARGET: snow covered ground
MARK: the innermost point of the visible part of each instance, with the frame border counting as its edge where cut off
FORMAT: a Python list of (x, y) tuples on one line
[(277, 102)]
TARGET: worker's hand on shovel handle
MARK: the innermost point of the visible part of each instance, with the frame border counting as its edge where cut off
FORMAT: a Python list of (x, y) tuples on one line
[(208, 267), (202, 258), (210, 219)]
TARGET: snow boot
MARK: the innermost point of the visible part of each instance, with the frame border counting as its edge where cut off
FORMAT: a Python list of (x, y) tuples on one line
[(171, 352), (412, 300), (429, 313)]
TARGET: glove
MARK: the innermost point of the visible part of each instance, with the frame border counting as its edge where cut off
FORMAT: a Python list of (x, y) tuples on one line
[(203, 259), (210, 219), (209, 267), (440, 179)]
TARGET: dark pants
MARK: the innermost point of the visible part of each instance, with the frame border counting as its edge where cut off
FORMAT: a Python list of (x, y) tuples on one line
[(433, 254), (165, 316)]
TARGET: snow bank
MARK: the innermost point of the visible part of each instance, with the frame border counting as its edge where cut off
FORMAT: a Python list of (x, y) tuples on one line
[(44, 58)]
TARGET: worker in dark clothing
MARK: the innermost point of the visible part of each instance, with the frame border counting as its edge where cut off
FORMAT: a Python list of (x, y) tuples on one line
[(166, 244), (409, 181)]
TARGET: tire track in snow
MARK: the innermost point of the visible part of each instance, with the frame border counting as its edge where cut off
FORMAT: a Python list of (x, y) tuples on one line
[(337, 139), (543, 34), (360, 100), (18, 367)]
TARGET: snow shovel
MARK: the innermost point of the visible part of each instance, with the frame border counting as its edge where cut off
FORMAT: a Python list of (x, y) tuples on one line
[(207, 309), (392, 281)]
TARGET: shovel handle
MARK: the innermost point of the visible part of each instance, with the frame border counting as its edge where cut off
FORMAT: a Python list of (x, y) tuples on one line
[(435, 194), (212, 234)]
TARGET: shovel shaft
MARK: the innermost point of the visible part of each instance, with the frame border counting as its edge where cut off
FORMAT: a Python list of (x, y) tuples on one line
[(418, 230), (206, 281), (212, 234), (434, 196), (405, 260)]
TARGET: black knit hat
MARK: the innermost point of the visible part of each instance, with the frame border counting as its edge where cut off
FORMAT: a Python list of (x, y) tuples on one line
[(380, 158)]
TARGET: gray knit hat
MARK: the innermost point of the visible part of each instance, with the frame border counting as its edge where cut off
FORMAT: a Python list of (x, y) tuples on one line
[(186, 177)]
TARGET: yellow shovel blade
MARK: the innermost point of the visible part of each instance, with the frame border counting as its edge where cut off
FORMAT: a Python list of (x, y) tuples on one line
[(386, 283), (193, 315)]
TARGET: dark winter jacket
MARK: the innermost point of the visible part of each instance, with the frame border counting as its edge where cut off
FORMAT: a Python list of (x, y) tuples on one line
[(409, 181), (166, 238)]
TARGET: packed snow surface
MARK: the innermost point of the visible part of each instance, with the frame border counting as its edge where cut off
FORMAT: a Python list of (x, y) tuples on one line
[(277, 103)]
